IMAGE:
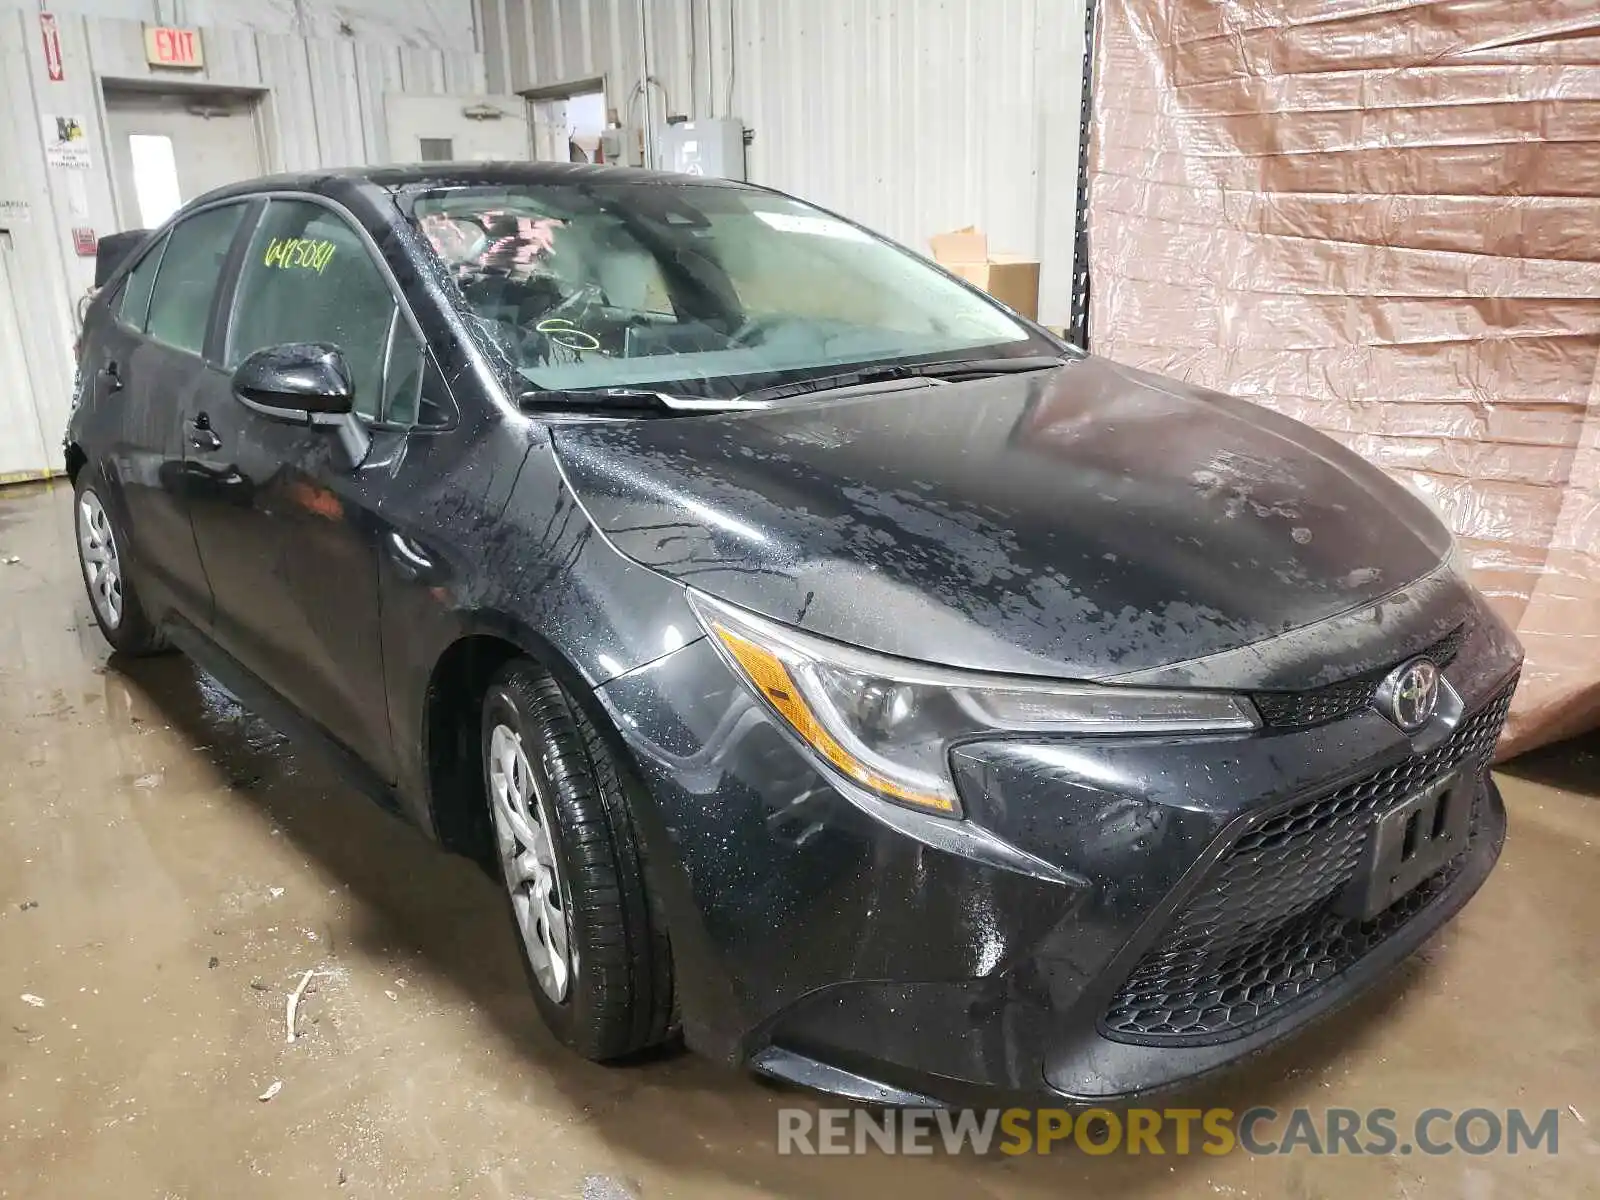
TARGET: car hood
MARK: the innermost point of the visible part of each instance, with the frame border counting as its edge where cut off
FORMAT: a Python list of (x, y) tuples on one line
[(1085, 522)]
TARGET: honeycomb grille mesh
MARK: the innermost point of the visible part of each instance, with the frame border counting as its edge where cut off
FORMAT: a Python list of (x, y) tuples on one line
[(1262, 932), (1335, 701)]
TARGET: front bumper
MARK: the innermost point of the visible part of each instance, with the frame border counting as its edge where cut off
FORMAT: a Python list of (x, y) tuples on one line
[(817, 942)]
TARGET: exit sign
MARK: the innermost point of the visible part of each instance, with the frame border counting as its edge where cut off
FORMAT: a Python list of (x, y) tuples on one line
[(168, 47)]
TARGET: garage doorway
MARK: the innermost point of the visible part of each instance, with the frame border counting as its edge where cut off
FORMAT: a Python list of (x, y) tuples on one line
[(168, 147), (567, 127)]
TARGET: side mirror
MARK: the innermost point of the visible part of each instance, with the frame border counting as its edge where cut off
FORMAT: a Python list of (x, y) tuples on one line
[(296, 382), (303, 383)]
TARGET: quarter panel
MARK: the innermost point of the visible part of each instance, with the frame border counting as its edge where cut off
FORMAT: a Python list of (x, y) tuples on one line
[(508, 554), (605, 613), (445, 501)]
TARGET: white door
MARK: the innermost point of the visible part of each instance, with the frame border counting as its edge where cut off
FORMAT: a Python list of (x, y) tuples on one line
[(23, 450), (550, 131), (166, 149), (457, 128)]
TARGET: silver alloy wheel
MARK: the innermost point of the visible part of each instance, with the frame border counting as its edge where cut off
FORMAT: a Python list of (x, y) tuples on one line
[(102, 566), (528, 861)]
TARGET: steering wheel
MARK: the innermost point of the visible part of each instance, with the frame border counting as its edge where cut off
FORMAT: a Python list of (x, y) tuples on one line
[(753, 330)]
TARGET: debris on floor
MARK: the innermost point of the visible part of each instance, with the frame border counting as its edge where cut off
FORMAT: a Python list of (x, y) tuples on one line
[(273, 1089), (293, 1007), (30, 998), (603, 1187)]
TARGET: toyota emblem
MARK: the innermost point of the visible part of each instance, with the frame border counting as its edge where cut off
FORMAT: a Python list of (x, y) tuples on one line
[(1410, 694)]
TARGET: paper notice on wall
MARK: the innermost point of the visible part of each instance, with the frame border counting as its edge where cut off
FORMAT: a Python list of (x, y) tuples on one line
[(15, 212), (78, 196), (66, 144)]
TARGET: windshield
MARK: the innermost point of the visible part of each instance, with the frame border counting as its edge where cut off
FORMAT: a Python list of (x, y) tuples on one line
[(700, 288)]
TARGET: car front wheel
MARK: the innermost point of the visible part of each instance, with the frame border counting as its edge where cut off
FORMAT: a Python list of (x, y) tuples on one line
[(596, 954)]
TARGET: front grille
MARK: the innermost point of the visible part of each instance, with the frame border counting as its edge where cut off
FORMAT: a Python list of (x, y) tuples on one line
[(1262, 932), (1335, 701)]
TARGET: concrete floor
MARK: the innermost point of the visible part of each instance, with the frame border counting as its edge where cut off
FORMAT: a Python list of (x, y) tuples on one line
[(171, 868)]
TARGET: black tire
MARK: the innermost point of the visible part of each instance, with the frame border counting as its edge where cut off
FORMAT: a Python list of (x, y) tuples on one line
[(619, 999), (133, 633)]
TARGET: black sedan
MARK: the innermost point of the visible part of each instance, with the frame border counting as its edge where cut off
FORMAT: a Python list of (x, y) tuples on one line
[(845, 674)]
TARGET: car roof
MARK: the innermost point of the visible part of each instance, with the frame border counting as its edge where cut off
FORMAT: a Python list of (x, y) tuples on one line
[(425, 176)]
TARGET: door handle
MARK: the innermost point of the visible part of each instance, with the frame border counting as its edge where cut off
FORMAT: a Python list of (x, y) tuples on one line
[(201, 436), (111, 374)]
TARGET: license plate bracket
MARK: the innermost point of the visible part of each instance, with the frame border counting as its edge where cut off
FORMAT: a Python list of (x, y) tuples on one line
[(1407, 844)]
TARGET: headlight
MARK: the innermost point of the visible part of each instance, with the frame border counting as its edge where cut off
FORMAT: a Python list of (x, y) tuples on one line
[(888, 724)]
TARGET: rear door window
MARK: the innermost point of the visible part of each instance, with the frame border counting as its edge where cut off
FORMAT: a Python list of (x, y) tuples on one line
[(310, 277), (186, 281), (133, 303)]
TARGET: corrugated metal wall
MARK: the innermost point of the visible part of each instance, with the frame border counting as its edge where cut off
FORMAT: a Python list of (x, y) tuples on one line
[(428, 24), (322, 106), (912, 116)]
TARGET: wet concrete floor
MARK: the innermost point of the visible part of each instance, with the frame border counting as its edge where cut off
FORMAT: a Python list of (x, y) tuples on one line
[(170, 868)]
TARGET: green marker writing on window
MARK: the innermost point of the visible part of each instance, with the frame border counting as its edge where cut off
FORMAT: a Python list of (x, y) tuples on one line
[(290, 253)]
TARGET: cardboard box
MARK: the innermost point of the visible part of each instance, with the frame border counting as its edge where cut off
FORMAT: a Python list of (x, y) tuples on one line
[(1009, 278)]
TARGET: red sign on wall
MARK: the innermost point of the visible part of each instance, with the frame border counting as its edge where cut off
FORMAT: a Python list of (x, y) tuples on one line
[(52, 47), (168, 47)]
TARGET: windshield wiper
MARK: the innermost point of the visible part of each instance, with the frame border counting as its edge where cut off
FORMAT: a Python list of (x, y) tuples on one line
[(624, 399), (947, 369), (648, 400)]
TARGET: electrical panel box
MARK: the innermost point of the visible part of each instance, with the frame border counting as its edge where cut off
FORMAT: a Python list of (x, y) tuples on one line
[(709, 147), (621, 147)]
